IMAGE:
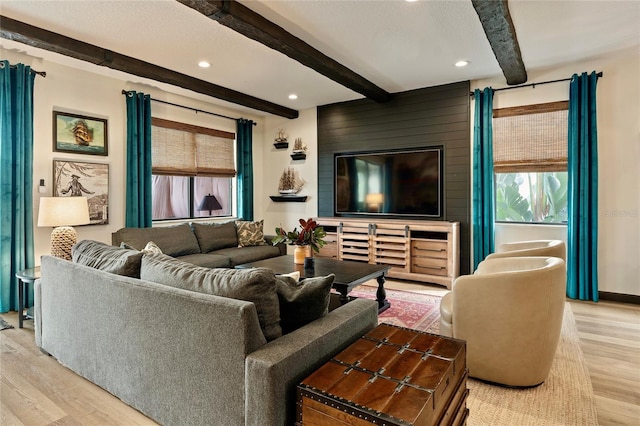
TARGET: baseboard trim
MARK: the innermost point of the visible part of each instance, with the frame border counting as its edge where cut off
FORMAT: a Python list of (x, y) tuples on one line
[(619, 297)]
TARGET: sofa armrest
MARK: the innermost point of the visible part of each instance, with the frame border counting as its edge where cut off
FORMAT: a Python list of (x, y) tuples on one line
[(274, 370), (282, 246)]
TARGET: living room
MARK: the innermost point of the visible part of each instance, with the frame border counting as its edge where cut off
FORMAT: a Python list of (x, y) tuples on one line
[(73, 87)]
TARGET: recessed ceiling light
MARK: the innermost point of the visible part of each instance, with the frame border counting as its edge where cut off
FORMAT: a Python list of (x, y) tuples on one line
[(411, 1), (204, 64), (462, 64), (293, 96)]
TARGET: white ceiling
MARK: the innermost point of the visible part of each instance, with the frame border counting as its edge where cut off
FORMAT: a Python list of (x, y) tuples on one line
[(395, 44)]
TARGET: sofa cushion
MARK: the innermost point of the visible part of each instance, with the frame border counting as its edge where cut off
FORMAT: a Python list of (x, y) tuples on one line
[(240, 255), (207, 260), (302, 301), (174, 241), (107, 258), (256, 285), (215, 236), (250, 233)]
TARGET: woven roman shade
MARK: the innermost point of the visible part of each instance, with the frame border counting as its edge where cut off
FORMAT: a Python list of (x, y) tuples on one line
[(172, 152), (214, 156), (180, 149), (530, 138)]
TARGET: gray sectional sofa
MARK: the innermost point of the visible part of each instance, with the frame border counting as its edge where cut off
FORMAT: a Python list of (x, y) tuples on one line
[(212, 245), (175, 350)]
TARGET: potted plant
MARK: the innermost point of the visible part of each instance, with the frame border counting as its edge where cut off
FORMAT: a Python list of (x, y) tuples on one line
[(307, 240)]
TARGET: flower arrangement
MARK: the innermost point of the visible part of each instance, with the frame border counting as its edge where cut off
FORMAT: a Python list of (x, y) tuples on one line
[(310, 234)]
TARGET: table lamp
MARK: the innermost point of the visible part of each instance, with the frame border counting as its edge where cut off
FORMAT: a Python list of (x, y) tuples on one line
[(63, 213), (209, 202)]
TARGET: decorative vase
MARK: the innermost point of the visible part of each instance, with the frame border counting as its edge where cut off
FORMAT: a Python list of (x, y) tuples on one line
[(300, 253)]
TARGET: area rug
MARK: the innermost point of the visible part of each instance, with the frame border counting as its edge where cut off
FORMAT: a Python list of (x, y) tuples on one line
[(411, 310), (565, 398), (4, 325)]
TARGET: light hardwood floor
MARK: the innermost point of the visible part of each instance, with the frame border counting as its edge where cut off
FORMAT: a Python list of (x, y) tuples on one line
[(610, 340), (36, 390)]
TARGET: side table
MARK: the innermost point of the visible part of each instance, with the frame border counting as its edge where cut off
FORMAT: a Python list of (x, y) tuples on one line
[(25, 277)]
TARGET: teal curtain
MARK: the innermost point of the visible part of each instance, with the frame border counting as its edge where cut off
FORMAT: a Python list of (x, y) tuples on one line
[(244, 142), (483, 211), (16, 173), (582, 260), (138, 213)]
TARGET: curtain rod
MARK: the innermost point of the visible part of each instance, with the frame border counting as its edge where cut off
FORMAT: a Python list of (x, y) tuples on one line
[(125, 92), (40, 73), (600, 74)]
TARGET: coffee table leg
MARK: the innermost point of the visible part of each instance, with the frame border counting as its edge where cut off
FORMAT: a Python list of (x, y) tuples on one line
[(343, 295), (381, 295)]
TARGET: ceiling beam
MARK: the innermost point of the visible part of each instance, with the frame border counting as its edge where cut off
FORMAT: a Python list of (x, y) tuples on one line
[(11, 29), (498, 26), (245, 21)]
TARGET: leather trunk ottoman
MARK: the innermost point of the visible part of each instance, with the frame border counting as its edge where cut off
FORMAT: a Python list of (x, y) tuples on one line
[(391, 376)]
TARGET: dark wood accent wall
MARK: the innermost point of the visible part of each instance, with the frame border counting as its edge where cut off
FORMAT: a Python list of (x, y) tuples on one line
[(433, 116)]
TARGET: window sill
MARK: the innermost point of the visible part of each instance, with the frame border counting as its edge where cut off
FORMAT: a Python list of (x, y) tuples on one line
[(537, 224), (171, 222)]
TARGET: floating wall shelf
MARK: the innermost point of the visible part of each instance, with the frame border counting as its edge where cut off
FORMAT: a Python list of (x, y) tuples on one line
[(298, 156), (281, 145), (288, 198)]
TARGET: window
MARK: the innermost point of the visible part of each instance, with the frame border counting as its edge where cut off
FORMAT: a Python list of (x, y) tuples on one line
[(189, 164), (530, 163)]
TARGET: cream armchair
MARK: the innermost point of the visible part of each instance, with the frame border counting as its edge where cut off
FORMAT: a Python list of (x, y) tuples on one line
[(510, 313), (551, 248)]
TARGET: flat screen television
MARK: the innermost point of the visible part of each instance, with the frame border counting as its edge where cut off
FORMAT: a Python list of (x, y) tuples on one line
[(392, 183)]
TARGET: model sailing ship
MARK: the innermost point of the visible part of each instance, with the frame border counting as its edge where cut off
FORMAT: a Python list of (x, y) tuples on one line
[(280, 141), (281, 136), (290, 182), (299, 147)]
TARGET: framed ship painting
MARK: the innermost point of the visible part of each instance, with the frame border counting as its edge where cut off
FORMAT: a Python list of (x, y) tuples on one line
[(79, 134), (83, 179)]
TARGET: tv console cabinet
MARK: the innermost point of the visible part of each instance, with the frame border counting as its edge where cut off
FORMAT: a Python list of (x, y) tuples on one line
[(425, 251)]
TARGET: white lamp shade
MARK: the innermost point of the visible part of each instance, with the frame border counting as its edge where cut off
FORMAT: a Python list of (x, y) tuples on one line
[(63, 211)]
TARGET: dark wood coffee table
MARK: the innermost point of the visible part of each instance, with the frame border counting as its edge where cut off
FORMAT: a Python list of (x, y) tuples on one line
[(348, 274)]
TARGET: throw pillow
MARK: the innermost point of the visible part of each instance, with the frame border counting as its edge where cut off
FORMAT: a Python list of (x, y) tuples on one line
[(255, 285), (151, 248), (250, 233), (215, 236), (302, 301), (295, 275), (107, 258)]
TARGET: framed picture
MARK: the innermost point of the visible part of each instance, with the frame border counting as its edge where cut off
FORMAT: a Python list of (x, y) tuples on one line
[(79, 134), (82, 179)]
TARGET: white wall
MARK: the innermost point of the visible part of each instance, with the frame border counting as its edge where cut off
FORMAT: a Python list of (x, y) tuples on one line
[(275, 161), (618, 107), (73, 90)]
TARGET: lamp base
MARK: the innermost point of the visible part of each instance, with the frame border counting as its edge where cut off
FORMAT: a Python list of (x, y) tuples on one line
[(62, 239)]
